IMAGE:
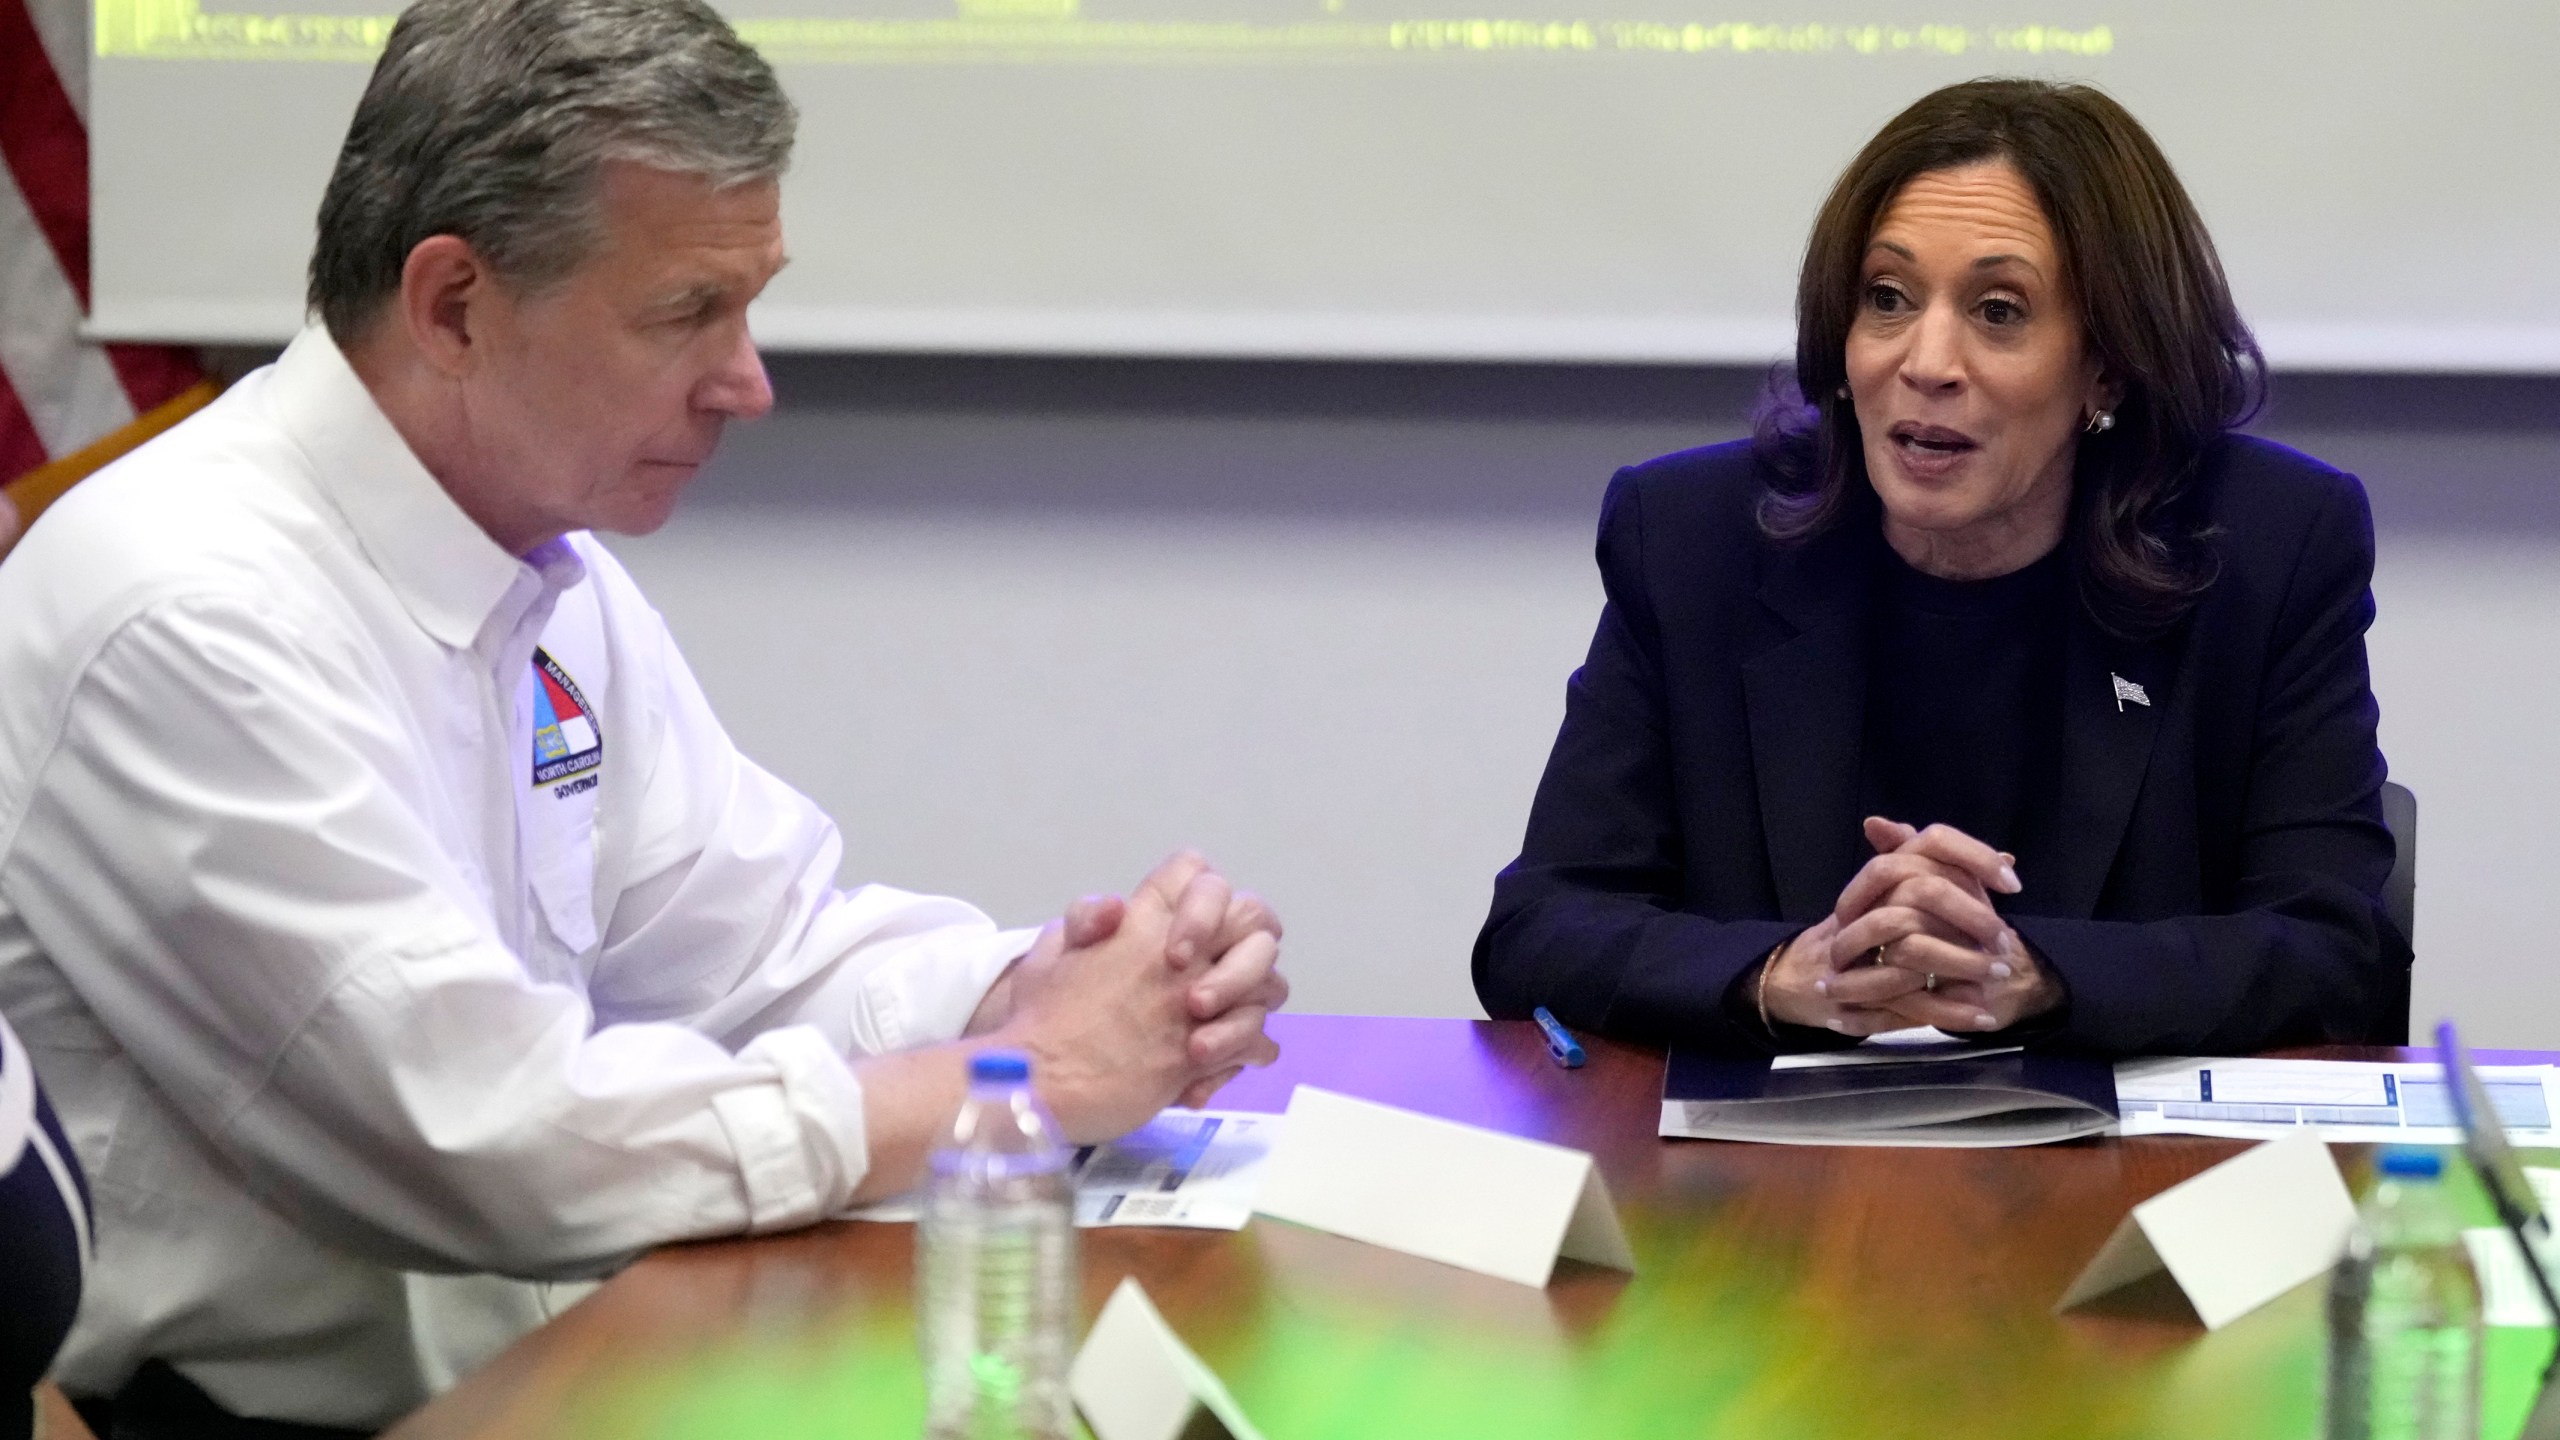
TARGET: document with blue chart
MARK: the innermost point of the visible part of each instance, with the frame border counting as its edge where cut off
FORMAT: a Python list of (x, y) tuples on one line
[(2351, 1101)]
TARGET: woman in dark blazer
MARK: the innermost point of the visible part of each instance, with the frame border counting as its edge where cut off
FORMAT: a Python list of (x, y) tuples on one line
[(44, 1237), (1995, 684)]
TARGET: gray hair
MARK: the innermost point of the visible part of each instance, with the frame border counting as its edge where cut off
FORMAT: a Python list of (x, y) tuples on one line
[(493, 120)]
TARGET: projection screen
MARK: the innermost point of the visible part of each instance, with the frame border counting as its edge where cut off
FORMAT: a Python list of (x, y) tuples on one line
[(1608, 180)]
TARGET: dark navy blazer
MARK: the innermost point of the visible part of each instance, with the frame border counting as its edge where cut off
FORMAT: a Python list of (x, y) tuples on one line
[(2212, 877), (44, 1226)]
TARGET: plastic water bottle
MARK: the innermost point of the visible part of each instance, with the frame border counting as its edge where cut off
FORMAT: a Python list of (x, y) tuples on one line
[(996, 1265), (2404, 1314)]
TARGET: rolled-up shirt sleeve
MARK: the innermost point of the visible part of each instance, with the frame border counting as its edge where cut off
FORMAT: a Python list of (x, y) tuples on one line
[(229, 858)]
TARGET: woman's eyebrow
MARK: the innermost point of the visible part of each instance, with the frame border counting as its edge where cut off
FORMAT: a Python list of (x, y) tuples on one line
[(1993, 262)]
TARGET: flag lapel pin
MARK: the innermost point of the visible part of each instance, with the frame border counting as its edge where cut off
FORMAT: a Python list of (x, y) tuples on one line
[(2127, 690)]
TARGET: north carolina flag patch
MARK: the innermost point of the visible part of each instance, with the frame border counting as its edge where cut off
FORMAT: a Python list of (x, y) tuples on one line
[(566, 741)]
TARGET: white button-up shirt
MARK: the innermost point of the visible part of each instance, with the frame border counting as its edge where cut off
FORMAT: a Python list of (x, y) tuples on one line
[(377, 902)]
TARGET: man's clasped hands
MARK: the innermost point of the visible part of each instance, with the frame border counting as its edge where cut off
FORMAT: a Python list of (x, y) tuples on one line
[(1129, 1005), (1913, 940)]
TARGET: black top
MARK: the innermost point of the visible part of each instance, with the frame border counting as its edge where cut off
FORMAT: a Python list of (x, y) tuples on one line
[(2208, 879), (44, 1220), (1963, 723), (1963, 701)]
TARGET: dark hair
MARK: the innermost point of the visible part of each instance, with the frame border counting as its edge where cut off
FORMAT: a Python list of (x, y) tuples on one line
[(2153, 302), (493, 119)]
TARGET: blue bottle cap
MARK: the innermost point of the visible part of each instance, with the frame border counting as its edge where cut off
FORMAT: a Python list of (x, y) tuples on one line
[(1012, 1067), (2404, 1162)]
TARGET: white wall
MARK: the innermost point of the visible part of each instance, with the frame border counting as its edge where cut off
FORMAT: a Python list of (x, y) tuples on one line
[(1025, 626), (1349, 719), (2466, 659)]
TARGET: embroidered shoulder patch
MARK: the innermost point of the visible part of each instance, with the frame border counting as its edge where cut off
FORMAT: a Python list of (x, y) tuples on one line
[(566, 741)]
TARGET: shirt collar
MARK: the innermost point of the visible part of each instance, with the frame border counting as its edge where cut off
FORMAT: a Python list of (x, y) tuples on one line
[(520, 614), (446, 570)]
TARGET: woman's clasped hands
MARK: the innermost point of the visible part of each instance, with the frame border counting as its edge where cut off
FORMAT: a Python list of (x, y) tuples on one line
[(1913, 940)]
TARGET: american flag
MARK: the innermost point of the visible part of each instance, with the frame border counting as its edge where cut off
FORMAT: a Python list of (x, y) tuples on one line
[(66, 406)]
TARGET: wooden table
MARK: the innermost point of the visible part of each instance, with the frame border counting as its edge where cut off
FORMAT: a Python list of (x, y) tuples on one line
[(1783, 1292)]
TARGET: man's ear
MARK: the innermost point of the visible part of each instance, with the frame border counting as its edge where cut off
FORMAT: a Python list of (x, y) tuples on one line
[(445, 291)]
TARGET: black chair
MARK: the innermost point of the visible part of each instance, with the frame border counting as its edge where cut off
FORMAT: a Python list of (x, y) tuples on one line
[(2400, 891)]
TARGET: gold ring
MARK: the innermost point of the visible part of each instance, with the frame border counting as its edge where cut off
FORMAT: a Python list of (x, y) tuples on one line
[(1929, 982), (1876, 956)]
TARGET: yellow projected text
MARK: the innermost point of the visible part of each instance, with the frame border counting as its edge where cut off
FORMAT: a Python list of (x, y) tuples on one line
[(1018, 30)]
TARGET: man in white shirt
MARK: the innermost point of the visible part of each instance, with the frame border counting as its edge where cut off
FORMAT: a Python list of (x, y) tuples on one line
[(378, 893)]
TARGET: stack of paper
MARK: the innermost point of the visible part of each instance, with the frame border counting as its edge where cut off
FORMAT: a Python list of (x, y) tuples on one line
[(1927, 1090)]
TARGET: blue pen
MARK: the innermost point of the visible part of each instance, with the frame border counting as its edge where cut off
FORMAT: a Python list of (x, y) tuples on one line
[(1566, 1050)]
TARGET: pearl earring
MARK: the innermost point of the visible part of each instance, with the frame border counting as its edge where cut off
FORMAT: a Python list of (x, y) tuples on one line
[(1842, 392), (2100, 422)]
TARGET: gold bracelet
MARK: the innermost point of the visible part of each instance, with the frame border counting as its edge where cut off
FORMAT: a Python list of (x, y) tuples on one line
[(1760, 992)]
